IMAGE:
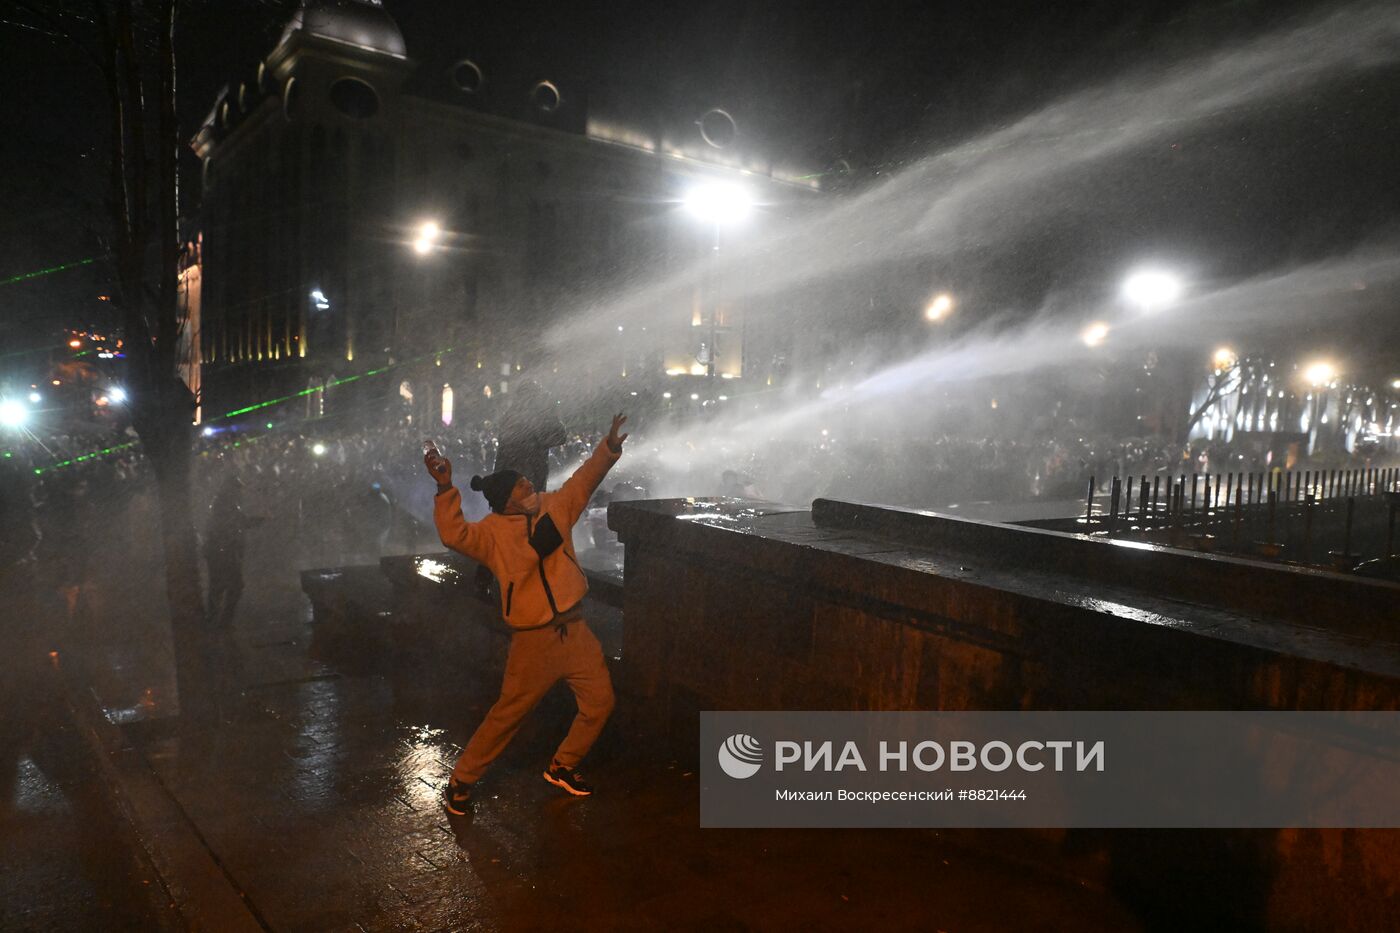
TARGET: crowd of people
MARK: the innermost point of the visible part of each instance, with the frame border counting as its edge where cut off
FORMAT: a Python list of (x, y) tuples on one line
[(346, 493), (337, 491)]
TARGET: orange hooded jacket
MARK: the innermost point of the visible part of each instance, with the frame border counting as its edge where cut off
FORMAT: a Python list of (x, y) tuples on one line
[(534, 590)]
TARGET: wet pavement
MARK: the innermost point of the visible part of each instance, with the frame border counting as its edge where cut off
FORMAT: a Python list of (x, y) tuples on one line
[(59, 866), (314, 798), (320, 799)]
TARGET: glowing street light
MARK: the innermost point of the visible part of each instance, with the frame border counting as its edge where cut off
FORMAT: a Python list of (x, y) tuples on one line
[(939, 307), (1095, 334), (1151, 289), (1320, 373), (13, 414), (428, 233), (117, 394), (718, 202), (1225, 358), (35, 398), (318, 449)]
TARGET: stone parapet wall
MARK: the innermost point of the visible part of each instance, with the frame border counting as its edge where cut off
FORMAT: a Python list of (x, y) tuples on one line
[(731, 605)]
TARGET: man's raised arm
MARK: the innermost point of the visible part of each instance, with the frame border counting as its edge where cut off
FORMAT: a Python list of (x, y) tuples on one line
[(453, 529), (579, 488)]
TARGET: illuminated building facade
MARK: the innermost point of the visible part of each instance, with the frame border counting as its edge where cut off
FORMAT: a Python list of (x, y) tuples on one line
[(322, 168)]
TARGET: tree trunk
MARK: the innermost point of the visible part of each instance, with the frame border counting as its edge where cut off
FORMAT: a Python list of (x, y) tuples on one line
[(168, 449), (146, 210)]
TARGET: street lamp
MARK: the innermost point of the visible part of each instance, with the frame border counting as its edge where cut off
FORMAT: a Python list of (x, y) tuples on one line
[(720, 204), (1151, 289), (1225, 358), (939, 307), (1095, 334), (428, 233), (1320, 373), (13, 414)]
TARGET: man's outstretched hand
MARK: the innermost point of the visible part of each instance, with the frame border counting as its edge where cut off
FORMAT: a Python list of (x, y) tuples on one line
[(439, 467), (614, 439)]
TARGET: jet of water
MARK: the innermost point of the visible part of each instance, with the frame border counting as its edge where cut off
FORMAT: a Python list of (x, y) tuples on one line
[(989, 187)]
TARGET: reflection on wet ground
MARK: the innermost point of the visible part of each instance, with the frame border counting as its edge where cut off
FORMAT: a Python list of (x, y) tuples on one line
[(317, 791), (328, 815), (62, 865)]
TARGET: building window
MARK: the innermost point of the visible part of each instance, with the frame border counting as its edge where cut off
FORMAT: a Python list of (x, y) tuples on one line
[(354, 98), (717, 128), (467, 76), (545, 96)]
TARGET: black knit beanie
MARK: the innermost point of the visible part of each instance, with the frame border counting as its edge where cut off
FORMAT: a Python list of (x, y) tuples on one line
[(496, 488)]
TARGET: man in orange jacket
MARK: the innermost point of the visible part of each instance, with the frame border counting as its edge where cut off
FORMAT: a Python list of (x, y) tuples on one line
[(527, 542)]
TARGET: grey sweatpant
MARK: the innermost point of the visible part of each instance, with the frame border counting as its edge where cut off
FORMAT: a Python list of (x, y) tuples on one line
[(539, 659)]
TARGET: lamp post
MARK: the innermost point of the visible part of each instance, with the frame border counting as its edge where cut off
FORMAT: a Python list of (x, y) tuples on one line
[(938, 308), (13, 414), (1151, 290), (428, 233), (1094, 334), (718, 204), (1319, 375)]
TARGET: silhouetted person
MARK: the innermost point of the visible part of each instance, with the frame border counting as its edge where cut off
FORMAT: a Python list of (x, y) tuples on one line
[(223, 552), (527, 430)]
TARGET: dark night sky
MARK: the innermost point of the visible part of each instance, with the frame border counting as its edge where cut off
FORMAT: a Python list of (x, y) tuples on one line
[(877, 83)]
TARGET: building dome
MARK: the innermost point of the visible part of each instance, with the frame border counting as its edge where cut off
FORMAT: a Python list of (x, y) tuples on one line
[(364, 24)]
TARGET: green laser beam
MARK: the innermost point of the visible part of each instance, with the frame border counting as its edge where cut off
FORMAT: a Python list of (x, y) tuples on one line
[(50, 271), (39, 471), (302, 394)]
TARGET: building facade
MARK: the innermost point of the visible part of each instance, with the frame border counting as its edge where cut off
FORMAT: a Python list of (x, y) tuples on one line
[(362, 215)]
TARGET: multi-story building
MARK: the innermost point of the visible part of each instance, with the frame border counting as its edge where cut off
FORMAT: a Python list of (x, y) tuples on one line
[(361, 212)]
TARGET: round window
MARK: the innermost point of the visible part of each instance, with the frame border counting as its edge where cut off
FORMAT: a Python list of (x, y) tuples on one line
[(354, 98), (467, 76), (717, 128), (545, 96)]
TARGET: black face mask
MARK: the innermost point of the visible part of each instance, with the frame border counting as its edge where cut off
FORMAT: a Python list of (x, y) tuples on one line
[(546, 537)]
